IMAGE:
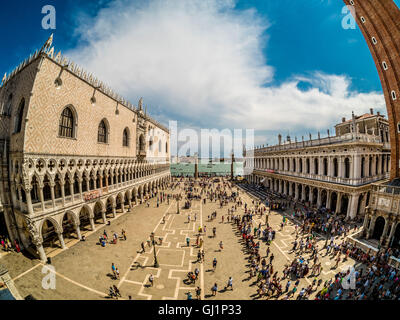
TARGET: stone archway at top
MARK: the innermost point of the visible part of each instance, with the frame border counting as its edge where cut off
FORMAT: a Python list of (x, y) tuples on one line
[(378, 21)]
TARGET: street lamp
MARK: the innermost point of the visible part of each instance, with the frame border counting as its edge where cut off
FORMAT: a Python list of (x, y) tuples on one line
[(177, 207), (156, 265)]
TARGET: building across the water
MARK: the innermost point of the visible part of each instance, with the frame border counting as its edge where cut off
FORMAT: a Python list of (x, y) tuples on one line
[(336, 172), (74, 153), (186, 167)]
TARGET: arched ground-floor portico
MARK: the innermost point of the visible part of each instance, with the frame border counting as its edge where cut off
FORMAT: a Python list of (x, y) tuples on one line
[(348, 201), (59, 228)]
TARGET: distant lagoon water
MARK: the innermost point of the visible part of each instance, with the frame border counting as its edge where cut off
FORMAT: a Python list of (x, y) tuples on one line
[(211, 169)]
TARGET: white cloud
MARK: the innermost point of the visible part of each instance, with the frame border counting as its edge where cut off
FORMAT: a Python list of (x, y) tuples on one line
[(202, 62)]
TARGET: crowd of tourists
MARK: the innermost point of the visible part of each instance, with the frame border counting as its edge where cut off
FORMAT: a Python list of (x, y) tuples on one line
[(374, 278), (318, 235), (8, 246)]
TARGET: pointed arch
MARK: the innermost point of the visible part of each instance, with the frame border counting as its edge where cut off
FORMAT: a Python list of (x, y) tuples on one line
[(103, 131), (19, 116), (68, 122)]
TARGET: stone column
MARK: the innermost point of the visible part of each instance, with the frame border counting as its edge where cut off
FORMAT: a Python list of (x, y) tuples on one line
[(357, 167), (338, 202), (341, 168), (92, 223), (303, 192), (101, 182), (114, 211), (379, 165), (41, 197), (363, 203), (371, 227), (103, 215), (328, 199), (385, 230), (62, 184), (392, 231), (80, 180), (352, 169), (38, 242), (53, 199), (78, 231), (373, 166), (330, 167), (320, 166), (87, 184), (296, 191), (365, 224), (367, 173), (312, 165), (27, 190), (71, 190), (352, 207), (61, 239)]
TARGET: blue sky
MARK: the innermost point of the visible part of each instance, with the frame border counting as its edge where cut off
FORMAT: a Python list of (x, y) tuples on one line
[(278, 66)]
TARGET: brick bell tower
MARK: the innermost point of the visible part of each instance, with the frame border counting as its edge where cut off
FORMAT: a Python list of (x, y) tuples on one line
[(379, 22)]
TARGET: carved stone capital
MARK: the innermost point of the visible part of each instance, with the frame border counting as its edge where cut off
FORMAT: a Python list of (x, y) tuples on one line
[(37, 241)]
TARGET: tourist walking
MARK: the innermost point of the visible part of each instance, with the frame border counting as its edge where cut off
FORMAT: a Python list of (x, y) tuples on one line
[(151, 280), (214, 289), (230, 284)]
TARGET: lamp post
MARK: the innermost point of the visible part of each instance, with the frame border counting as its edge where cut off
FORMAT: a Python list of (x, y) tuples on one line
[(156, 265), (177, 207)]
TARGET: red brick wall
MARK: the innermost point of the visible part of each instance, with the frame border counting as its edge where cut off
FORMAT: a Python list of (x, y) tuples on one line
[(382, 21)]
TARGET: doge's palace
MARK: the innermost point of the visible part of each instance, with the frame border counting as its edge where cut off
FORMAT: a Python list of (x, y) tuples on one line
[(74, 152)]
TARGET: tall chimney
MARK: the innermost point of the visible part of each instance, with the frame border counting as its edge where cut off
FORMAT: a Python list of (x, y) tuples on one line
[(279, 139), (343, 119), (371, 111)]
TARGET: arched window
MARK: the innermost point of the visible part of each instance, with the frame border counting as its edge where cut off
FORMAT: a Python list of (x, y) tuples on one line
[(362, 167), (20, 114), (325, 162), (125, 138), (335, 167), (347, 168), (66, 128), (102, 133), (316, 166)]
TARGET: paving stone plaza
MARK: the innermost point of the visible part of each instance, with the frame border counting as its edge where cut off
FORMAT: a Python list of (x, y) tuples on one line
[(83, 270)]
